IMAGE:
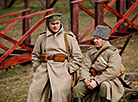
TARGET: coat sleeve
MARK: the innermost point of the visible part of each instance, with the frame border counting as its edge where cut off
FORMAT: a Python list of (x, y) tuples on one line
[(84, 70), (76, 54), (36, 54), (113, 67)]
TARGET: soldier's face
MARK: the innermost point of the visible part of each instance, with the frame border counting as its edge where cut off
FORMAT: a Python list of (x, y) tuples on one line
[(54, 26), (99, 42)]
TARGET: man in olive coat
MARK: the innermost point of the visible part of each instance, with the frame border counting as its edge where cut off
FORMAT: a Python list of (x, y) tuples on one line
[(52, 79), (98, 76)]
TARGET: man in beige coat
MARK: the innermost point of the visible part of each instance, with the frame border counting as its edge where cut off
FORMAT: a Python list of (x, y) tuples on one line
[(52, 79), (98, 76)]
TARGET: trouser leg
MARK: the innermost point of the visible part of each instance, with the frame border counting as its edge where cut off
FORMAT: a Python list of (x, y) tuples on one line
[(79, 91), (77, 100), (103, 93)]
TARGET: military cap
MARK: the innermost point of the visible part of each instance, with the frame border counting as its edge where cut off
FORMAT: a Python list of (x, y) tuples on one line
[(54, 18), (102, 32)]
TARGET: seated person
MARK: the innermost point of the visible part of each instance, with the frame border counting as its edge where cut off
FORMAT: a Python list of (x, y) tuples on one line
[(98, 74)]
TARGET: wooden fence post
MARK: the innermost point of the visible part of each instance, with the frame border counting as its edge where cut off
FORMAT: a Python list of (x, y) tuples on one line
[(7, 2), (120, 7), (99, 13), (26, 27), (26, 3), (48, 2), (74, 18)]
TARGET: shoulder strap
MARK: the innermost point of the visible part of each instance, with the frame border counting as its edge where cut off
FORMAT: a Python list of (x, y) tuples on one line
[(73, 75), (99, 54), (66, 44)]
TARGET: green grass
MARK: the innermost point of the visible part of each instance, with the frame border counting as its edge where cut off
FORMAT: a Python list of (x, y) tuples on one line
[(14, 82)]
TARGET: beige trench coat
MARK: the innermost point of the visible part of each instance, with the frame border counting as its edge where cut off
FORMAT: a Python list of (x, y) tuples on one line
[(109, 61), (55, 76)]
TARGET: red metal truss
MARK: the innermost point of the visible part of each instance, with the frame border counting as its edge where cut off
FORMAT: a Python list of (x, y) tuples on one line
[(13, 55), (101, 8), (14, 41), (15, 13), (118, 15), (92, 15), (9, 3), (123, 18)]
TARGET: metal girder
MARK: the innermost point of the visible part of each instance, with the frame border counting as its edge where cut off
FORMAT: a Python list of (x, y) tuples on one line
[(20, 55)]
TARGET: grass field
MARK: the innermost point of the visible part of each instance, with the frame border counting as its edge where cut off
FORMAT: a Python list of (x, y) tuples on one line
[(14, 82)]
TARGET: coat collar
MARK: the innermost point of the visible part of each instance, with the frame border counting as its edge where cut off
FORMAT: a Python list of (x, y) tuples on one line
[(105, 45)]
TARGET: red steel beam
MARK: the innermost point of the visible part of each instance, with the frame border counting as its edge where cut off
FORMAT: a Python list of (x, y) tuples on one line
[(91, 14), (15, 13), (134, 0), (9, 27), (118, 15), (26, 34), (28, 16), (14, 41), (133, 18), (14, 60), (13, 23), (86, 10), (124, 17), (123, 37), (3, 47), (78, 1)]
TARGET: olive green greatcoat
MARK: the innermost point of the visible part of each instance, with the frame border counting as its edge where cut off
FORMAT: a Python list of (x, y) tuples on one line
[(55, 76), (109, 61)]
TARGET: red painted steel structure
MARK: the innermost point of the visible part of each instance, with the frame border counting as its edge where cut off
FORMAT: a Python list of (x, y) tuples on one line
[(45, 3), (118, 32), (75, 19), (101, 8), (20, 55)]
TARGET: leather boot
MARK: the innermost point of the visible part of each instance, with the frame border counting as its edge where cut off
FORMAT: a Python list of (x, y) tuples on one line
[(103, 99), (77, 100)]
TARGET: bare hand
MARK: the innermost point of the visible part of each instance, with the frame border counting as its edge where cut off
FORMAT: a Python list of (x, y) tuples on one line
[(87, 82), (91, 84)]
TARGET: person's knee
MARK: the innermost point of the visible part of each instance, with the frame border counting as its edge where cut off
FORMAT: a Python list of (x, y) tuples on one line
[(79, 90), (76, 89), (103, 90)]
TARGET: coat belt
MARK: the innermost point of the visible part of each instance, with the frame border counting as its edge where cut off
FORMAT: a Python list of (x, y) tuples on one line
[(55, 57)]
